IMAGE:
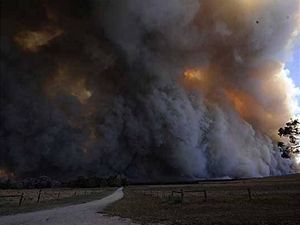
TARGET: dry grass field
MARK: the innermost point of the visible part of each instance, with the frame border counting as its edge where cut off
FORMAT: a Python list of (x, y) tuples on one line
[(49, 198), (274, 200)]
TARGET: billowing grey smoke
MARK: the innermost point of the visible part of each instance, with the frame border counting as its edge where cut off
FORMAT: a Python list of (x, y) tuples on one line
[(147, 89)]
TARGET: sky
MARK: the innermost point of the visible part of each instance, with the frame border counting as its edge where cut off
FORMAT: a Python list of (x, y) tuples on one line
[(293, 65)]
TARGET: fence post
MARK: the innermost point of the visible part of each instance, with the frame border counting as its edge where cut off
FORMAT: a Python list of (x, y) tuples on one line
[(205, 195), (181, 193), (21, 199), (249, 193), (39, 196)]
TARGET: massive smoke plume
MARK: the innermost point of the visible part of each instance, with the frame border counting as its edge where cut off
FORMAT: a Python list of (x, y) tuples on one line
[(151, 89)]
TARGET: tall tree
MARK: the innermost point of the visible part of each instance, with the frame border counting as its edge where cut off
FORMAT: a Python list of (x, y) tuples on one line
[(291, 131)]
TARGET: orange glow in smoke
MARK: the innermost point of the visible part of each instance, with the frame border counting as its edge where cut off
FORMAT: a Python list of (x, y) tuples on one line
[(64, 82), (240, 102), (246, 105), (250, 4), (252, 111), (198, 79), (34, 40), (193, 74), (5, 174)]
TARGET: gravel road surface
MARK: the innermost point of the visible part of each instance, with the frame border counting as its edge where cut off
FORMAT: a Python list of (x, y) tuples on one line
[(81, 214)]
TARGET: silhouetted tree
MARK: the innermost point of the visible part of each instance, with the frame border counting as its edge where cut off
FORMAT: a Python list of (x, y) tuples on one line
[(291, 130)]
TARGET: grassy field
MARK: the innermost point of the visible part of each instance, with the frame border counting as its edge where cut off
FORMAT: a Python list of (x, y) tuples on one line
[(49, 198), (274, 200)]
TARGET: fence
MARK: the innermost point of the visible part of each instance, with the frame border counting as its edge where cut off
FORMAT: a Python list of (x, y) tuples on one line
[(40, 195), (21, 197), (183, 193)]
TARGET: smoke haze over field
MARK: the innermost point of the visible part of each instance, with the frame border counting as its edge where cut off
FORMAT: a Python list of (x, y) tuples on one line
[(148, 89)]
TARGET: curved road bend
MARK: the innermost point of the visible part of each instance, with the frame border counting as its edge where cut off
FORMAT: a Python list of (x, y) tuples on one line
[(81, 214)]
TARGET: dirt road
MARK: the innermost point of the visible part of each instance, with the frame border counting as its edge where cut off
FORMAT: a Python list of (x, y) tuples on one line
[(82, 214)]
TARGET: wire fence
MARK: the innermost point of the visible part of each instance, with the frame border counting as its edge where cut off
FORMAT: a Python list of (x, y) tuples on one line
[(38, 196), (205, 195)]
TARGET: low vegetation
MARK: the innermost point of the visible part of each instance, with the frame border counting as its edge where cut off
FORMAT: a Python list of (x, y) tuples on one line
[(47, 182)]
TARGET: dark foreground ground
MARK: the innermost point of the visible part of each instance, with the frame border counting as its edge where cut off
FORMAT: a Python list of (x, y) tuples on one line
[(274, 200)]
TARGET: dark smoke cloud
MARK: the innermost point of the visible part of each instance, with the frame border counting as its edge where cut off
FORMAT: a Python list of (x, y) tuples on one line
[(102, 88)]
